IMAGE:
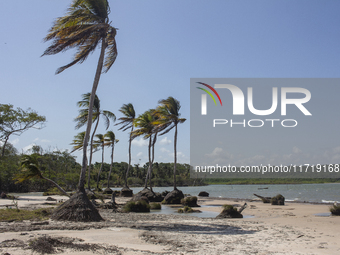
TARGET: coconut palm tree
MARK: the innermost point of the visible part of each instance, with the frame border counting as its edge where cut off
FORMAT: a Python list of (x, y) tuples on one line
[(85, 26), (126, 123), (100, 143), (146, 128), (169, 118), (78, 141), (30, 169), (82, 120), (110, 140)]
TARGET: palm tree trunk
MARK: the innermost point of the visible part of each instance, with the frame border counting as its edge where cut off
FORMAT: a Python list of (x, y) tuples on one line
[(58, 187), (108, 179), (175, 156), (128, 169), (149, 170), (89, 122), (4, 145), (91, 152), (101, 167)]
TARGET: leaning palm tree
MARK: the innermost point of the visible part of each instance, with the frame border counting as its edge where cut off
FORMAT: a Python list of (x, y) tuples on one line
[(30, 169), (169, 118), (110, 140), (85, 26), (78, 141), (82, 120), (127, 123), (146, 128)]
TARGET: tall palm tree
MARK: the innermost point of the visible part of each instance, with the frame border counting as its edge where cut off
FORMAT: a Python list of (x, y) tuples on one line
[(100, 143), (169, 118), (127, 123), (145, 125), (30, 169), (82, 120), (85, 25), (110, 140)]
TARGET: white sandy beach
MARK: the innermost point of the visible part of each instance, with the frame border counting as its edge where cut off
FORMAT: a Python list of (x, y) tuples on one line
[(290, 229)]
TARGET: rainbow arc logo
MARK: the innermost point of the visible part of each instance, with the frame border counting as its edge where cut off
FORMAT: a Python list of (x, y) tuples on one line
[(204, 97)]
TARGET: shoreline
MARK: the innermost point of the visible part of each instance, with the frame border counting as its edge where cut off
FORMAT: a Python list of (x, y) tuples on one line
[(290, 229)]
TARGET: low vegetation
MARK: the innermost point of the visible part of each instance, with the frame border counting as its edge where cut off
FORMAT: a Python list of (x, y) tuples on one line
[(185, 209), (335, 210), (190, 201), (136, 206), (155, 206), (20, 215)]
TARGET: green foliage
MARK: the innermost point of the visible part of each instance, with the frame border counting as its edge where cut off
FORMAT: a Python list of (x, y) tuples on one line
[(335, 210), (278, 200), (189, 201), (185, 209), (155, 206), (136, 206)]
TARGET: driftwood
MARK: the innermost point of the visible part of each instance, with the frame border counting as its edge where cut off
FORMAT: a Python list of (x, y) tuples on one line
[(264, 199), (242, 208)]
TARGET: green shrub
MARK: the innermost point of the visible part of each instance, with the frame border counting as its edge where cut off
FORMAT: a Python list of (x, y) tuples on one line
[(335, 210), (53, 191), (136, 206), (155, 206), (278, 200), (190, 201), (185, 209), (229, 211)]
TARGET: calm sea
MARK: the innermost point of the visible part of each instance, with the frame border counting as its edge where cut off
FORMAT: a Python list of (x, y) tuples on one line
[(325, 193)]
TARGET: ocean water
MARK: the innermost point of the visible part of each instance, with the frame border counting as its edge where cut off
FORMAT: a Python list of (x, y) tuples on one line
[(322, 193)]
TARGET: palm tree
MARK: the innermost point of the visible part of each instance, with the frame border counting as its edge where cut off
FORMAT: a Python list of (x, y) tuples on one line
[(30, 169), (110, 140), (82, 120), (127, 123), (78, 141), (85, 26), (147, 129), (100, 143), (169, 118)]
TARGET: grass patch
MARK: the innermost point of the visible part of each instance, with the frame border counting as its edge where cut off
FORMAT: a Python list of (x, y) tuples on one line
[(136, 206), (20, 215), (155, 206)]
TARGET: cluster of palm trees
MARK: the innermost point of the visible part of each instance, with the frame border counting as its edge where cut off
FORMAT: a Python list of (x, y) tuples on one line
[(149, 124)]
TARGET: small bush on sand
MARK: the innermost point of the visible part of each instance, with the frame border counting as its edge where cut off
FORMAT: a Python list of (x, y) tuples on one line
[(43, 245), (278, 200), (136, 206), (190, 201), (20, 215), (229, 211), (155, 206), (335, 210)]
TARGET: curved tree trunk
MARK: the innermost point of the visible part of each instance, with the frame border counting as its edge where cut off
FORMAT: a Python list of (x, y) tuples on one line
[(149, 169), (89, 122), (175, 156), (91, 152), (128, 169), (58, 187), (108, 179), (101, 167)]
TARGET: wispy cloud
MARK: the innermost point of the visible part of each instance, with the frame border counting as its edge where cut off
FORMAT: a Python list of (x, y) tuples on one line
[(164, 141), (140, 142)]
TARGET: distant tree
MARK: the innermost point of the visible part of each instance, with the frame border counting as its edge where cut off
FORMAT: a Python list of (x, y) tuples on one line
[(30, 169), (100, 143), (169, 118), (126, 123), (110, 140), (16, 122), (97, 113)]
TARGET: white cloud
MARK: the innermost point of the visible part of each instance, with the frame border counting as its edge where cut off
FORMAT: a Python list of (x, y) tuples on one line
[(15, 141), (296, 150), (164, 150), (139, 154), (140, 142), (165, 141), (41, 140), (28, 147)]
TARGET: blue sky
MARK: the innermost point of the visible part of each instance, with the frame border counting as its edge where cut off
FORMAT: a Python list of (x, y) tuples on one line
[(161, 45)]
